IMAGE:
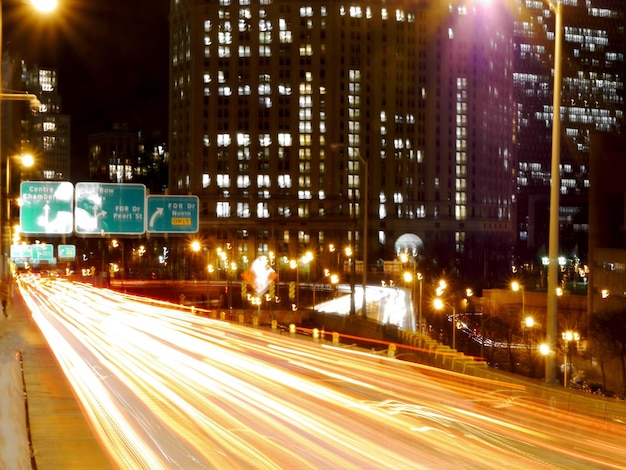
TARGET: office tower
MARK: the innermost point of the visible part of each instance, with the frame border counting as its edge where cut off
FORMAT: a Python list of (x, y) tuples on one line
[(152, 162), (592, 102), (50, 130), (113, 154), (286, 115)]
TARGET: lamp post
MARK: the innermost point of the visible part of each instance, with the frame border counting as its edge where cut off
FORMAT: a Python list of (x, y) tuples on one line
[(350, 254), (439, 305), (553, 242), (516, 287), (362, 161), (196, 247), (409, 278), (295, 264), (26, 161), (44, 6), (528, 324), (119, 244), (365, 230), (414, 277), (420, 278), (567, 336), (546, 350)]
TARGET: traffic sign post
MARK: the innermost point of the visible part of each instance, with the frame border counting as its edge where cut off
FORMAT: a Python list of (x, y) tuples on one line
[(172, 214), (110, 208), (103, 209), (66, 252), (46, 207), (42, 252), (21, 252)]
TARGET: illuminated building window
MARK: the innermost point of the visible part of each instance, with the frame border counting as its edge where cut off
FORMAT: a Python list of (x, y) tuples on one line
[(262, 210), (224, 91), (223, 181), (284, 210), (243, 181), (243, 210), (223, 209), (285, 140), (263, 181), (265, 140), (284, 181)]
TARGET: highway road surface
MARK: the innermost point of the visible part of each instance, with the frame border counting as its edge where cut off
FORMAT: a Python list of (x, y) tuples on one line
[(165, 389)]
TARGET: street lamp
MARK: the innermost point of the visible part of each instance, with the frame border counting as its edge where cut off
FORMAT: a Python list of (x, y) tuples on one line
[(553, 238), (420, 278), (295, 264), (119, 244), (26, 161), (365, 229), (516, 287), (414, 278), (43, 6), (439, 305), (350, 255), (196, 247), (365, 196), (567, 337)]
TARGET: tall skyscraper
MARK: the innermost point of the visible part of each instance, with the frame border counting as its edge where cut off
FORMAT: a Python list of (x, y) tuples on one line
[(592, 102), (49, 129), (280, 109)]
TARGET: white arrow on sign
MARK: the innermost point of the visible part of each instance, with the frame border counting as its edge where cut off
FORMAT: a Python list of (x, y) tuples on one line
[(157, 213)]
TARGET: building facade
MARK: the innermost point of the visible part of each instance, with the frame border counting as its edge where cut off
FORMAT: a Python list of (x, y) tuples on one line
[(289, 119), (592, 102), (37, 127), (113, 154), (50, 129)]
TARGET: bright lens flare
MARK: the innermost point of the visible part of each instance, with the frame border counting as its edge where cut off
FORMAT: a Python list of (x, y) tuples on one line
[(44, 6)]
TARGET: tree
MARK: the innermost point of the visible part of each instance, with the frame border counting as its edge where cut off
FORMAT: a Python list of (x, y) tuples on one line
[(608, 331)]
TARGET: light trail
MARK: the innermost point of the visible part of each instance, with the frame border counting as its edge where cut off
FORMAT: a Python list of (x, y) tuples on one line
[(386, 305), (165, 389)]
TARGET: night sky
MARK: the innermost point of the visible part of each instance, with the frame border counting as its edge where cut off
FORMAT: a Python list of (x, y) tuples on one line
[(112, 61)]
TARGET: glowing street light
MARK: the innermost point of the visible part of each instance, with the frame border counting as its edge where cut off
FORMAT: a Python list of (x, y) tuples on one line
[(439, 304), (44, 6), (25, 161), (295, 264), (414, 278), (547, 350), (350, 254), (516, 287)]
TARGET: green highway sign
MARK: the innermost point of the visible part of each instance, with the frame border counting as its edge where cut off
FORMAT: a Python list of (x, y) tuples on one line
[(109, 208), (66, 252), (42, 252), (21, 252), (172, 214), (46, 207)]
